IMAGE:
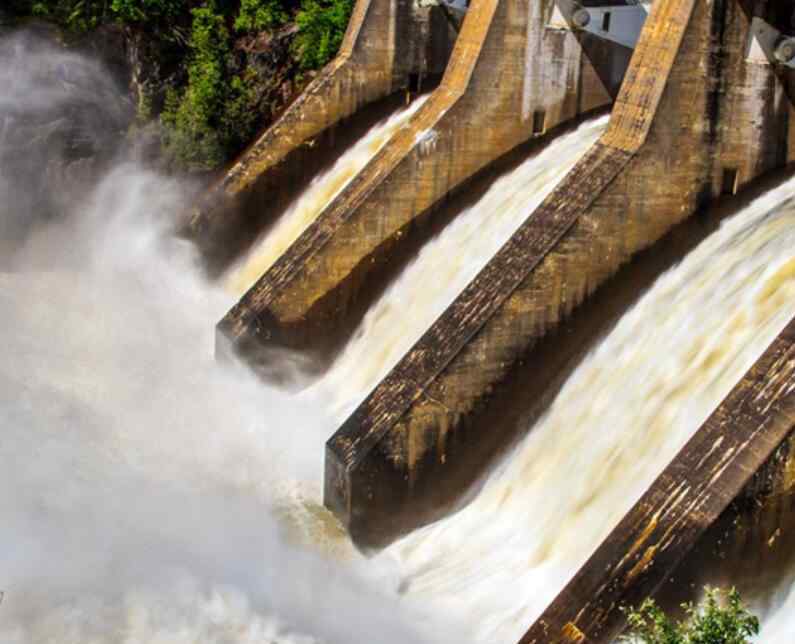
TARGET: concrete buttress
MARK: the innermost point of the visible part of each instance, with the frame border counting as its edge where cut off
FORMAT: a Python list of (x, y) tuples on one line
[(694, 119), (511, 76), (744, 445), (388, 44)]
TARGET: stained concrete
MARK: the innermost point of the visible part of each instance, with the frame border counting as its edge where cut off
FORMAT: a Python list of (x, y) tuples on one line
[(748, 433), (693, 118), (748, 547), (511, 77), (389, 45)]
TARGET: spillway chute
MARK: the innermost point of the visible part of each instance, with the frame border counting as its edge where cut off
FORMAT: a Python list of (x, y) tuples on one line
[(406, 433)]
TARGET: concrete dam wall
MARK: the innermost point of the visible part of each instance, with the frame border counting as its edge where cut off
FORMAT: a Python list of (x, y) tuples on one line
[(702, 108), (748, 434), (511, 77), (390, 46), (676, 140)]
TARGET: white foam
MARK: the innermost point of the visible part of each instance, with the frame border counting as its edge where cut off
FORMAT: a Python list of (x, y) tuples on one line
[(320, 193), (618, 421)]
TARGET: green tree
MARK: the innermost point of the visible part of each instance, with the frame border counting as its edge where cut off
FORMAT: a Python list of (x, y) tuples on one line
[(216, 93), (144, 10), (77, 15), (84, 15), (258, 15), (720, 619), (321, 28), (212, 114)]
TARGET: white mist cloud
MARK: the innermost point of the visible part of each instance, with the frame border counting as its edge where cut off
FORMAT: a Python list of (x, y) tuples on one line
[(141, 482)]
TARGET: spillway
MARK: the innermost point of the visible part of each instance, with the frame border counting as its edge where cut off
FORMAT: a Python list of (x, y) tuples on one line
[(444, 266), (778, 622), (158, 497), (617, 422), (305, 209)]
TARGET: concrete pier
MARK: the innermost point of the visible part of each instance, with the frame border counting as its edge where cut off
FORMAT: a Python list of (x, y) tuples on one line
[(513, 75), (748, 434), (748, 546), (676, 140), (390, 46)]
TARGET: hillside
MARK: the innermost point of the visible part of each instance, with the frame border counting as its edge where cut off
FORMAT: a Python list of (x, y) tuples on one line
[(203, 75)]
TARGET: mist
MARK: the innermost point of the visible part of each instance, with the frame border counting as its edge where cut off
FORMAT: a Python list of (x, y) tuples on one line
[(148, 494)]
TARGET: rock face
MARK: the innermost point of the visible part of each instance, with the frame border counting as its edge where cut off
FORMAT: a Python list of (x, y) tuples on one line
[(676, 140)]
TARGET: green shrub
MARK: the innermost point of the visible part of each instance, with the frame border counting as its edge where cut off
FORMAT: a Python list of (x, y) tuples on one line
[(321, 28), (76, 15), (715, 621), (144, 10), (84, 15), (213, 114), (256, 15), (213, 103)]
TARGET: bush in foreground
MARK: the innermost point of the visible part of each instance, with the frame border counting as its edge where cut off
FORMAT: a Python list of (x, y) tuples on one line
[(720, 619)]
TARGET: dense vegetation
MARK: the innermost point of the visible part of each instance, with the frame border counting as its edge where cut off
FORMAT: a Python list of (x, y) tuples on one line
[(720, 619), (215, 94)]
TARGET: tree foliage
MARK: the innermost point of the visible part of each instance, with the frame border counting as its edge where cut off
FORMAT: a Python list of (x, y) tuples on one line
[(78, 15), (210, 115), (144, 10), (259, 15), (84, 15), (212, 105), (720, 619), (321, 28)]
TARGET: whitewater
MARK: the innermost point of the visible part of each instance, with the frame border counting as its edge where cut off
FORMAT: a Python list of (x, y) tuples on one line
[(151, 495)]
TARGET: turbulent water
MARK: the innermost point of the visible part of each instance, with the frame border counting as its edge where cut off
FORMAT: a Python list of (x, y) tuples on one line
[(150, 495), (619, 419), (444, 267), (314, 199)]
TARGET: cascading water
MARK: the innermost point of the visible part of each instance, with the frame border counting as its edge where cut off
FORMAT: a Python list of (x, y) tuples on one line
[(314, 199), (150, 495), (619, 419), (144, 487), (444, 267)]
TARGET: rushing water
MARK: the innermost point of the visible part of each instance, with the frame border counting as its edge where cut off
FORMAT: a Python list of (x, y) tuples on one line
[(147, 494), (444, 267), (619, 419), (314, 199), (150, 495)]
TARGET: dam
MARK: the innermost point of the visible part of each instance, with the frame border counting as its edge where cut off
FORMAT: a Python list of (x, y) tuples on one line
[(501, 311), (419, 357)]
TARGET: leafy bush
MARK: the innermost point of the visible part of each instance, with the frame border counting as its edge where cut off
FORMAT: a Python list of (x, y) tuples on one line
[(77, 15), (713, 622), (256, 15), (144, 10), (212, 114), (213, 101), (84, 15), (321, 28)]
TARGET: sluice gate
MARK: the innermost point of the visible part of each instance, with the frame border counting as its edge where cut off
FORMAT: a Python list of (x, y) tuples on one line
[(514, 74), (676, 140), (390, 46)]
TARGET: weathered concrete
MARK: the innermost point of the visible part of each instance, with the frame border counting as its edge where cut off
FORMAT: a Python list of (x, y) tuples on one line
[(743, 436), (749, 547), (389, 45), (692, 116), (510, 77)]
